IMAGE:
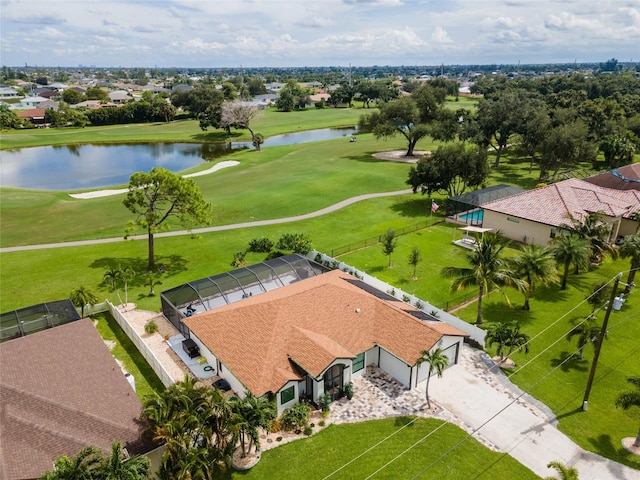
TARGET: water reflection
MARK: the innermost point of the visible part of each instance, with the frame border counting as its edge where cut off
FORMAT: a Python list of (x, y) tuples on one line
[(76, 167)]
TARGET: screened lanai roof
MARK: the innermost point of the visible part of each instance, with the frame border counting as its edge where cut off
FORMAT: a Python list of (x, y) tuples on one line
[(211, 292), (18, 323), (477, 198)]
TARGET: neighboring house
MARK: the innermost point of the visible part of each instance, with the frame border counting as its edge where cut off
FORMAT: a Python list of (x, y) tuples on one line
[(88, 104), (29, 102), (181, 88), (314, 335), (622, 178), (119, 96), (320, 97), (50, 94), (266, 99), (49, 105), (33, 115), (537, 216), (61, 390), (274, 87), (8, 92)]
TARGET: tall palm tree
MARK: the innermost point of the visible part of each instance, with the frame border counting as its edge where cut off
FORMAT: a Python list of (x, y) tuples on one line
[(629, 399), (81, 467), (630, 248), (116, 467), (593, 230), (252, 413), (587, 333), (570, 250), (535, 264), (437, 361), (488, 270), (566, 473), (508, 337), (81, 297), (113, 278)]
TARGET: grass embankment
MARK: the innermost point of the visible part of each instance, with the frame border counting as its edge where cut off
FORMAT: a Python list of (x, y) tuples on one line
[(340, 451), (268, 123)]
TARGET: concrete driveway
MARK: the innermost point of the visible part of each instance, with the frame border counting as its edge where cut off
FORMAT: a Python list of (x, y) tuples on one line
[(520, 426)]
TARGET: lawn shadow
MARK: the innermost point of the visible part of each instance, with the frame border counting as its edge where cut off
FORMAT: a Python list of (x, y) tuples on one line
[(166, 266), (550, 293), (366, 157), (403, 421), (567, 364), (569, 413), (415, 207)]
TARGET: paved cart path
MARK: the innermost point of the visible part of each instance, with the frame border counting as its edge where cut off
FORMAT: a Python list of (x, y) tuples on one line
[(220, 228)]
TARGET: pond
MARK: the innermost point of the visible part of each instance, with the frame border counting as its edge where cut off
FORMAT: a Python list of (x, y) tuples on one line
[(79, 167)]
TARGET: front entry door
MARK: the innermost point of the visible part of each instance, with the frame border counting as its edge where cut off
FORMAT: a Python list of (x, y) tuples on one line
[(333, 381)]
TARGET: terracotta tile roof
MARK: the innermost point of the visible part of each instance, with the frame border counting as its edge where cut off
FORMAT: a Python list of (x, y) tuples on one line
[(553, 204), (623, 178), (309, 323), (60, 391), (32, 113)]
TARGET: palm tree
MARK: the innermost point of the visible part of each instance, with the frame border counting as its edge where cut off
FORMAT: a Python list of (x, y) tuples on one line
[(113, 277), (81, 467), (566, 473), (252, 413), (587, 332), (126, 275), (508, 337), (570, 250), (593, 230), (116, 467), (630, 248), (488, 270), (535, 264), (81, 297), (629, 399), (437, 361)]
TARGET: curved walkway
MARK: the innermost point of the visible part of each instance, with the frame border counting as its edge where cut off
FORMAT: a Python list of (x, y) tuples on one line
[(220, 228)]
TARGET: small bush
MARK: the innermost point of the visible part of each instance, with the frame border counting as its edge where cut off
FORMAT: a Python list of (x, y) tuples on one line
[(295, 417), (260, 245), (321, 423), (275, 425), (239, 259), (324, 401), (419, 305), (406, 298), (278, 439), (348, 390), (150, 327), (308, 430)]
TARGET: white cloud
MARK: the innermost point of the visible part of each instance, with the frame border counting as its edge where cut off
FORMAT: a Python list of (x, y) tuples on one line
[(440, 35)]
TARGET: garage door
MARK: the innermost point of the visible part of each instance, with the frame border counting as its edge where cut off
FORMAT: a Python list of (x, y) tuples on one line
[(450, 352)]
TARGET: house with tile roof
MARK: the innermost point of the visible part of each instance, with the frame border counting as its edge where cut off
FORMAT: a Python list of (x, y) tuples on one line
[(622, 178), (61, 390), (315, 335), (537, 216)]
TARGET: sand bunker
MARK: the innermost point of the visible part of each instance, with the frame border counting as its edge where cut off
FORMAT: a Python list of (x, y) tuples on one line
[(106, 193)]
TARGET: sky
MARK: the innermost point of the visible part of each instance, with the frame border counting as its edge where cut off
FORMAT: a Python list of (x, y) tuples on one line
[(294, 33)]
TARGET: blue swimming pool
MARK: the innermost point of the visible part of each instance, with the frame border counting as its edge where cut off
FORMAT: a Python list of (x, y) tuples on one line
[(472, 217)]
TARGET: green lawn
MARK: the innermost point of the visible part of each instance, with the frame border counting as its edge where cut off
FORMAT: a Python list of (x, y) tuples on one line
[(601, 428), (416, 451), (147, 382)]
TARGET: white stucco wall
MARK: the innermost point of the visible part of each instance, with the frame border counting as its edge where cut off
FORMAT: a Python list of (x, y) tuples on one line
[(395, 367)]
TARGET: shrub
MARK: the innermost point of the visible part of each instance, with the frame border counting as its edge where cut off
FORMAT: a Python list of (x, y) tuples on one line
[(275, 425), (406, 298), (348, 390), (295, 417), (308, 430), (324, 401), (278, 439), (239, 259), (419, 305), (260, 245), (150, 327), (321, 423)]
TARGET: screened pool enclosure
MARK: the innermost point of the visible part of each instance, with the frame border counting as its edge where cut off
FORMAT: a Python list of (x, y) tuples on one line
[(212, 292), (19, 323)]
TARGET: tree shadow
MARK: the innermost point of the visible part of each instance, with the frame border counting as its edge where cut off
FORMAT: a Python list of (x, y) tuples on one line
[(166, 266), (574, 363), (366, 157), (569, 413), (217, 136), (549, 293), (377, 269), (415, 207)]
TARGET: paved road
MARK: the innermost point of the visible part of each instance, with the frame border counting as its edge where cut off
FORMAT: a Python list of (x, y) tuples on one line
[(523, 428), (259, 223)]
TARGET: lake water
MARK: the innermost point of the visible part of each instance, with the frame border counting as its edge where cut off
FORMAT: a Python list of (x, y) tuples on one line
[(79, 167)]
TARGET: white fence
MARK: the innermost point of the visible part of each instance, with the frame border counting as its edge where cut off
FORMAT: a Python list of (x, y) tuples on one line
[(474, 332), (137, 340)]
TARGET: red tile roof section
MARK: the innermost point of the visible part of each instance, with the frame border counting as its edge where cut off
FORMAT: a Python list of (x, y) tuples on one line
[(60, 391), (311, 322), (553, 204), (609, 180)]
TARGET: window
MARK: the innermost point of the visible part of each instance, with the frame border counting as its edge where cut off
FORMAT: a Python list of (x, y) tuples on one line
[(287, 395), (358, 363)]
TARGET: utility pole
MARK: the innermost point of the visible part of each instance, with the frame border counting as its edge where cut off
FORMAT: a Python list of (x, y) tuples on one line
[(603, 332)]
